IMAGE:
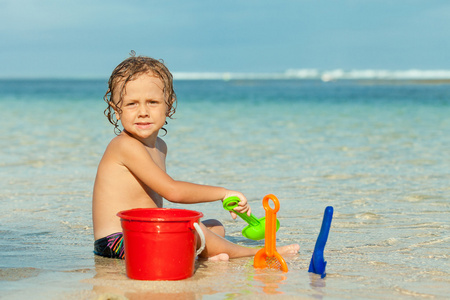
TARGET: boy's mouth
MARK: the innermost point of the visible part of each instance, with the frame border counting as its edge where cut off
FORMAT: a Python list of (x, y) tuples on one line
[(143, 125)]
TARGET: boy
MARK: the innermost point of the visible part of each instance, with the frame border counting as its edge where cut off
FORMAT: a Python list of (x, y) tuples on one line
[(131, 173)]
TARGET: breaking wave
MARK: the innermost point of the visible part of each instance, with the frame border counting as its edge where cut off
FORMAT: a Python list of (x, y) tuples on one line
[(324, 75)]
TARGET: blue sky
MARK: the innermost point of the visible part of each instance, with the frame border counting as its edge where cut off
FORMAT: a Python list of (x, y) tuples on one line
[(54, 38)]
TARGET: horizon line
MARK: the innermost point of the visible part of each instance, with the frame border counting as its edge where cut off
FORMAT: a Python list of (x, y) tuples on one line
[(308, 74)]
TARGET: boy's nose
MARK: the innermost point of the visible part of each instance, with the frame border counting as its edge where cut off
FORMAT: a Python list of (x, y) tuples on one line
[(143, 111)]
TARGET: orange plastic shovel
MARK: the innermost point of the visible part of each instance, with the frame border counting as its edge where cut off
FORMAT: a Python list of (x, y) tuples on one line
[(268, 257)]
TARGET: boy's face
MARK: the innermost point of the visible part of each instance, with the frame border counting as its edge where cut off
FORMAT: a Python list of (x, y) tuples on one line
[(143, 109)]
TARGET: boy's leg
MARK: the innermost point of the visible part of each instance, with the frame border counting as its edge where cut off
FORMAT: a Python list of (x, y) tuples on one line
[(215, 226), (219, 248), (217, 244)]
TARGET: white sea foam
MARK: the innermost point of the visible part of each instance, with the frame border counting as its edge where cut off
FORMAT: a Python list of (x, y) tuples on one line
[(325, 75)]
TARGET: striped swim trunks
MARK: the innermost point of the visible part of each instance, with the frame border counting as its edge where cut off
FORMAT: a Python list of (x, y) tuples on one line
[(110, 246)]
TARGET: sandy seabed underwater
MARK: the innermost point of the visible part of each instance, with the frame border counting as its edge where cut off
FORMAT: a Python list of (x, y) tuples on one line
[(377, 152)]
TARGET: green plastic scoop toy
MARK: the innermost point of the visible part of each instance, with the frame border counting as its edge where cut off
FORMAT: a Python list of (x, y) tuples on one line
[(256, 227)]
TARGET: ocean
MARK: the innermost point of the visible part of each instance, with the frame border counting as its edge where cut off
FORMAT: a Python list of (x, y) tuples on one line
[(377, 151)]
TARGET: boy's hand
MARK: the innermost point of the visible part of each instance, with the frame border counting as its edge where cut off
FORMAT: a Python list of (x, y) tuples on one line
[(243, 206)]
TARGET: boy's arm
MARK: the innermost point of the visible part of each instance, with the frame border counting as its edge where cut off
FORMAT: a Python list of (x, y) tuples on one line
[(135, 157)]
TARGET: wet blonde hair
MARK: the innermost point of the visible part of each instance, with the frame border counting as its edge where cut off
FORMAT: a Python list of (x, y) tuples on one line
[(128, 70)]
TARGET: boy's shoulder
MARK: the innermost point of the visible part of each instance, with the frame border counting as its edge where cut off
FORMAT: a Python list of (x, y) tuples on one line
[(127, 144), (123, 144), (124, 139)]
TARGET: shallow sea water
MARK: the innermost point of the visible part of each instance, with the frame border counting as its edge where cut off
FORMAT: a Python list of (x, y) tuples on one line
[(377, 153)]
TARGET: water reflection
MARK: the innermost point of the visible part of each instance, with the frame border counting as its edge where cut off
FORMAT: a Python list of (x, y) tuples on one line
[(271, 280), (317, 283), (110, 282)]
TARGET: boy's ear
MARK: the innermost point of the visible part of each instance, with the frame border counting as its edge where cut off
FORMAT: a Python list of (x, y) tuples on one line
[(116, 111), (168, 107)]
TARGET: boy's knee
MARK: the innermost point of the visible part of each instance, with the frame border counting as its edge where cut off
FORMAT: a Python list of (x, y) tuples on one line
[(212, 223), (215, 226)]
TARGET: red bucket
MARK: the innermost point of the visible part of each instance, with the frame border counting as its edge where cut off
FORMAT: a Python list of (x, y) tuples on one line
[(160, 243)]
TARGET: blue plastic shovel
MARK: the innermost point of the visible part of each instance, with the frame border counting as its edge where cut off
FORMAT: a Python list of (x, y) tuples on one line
[(318, 264)]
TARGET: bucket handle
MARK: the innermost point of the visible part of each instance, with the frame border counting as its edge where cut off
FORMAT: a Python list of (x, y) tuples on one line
[(202, 238)]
